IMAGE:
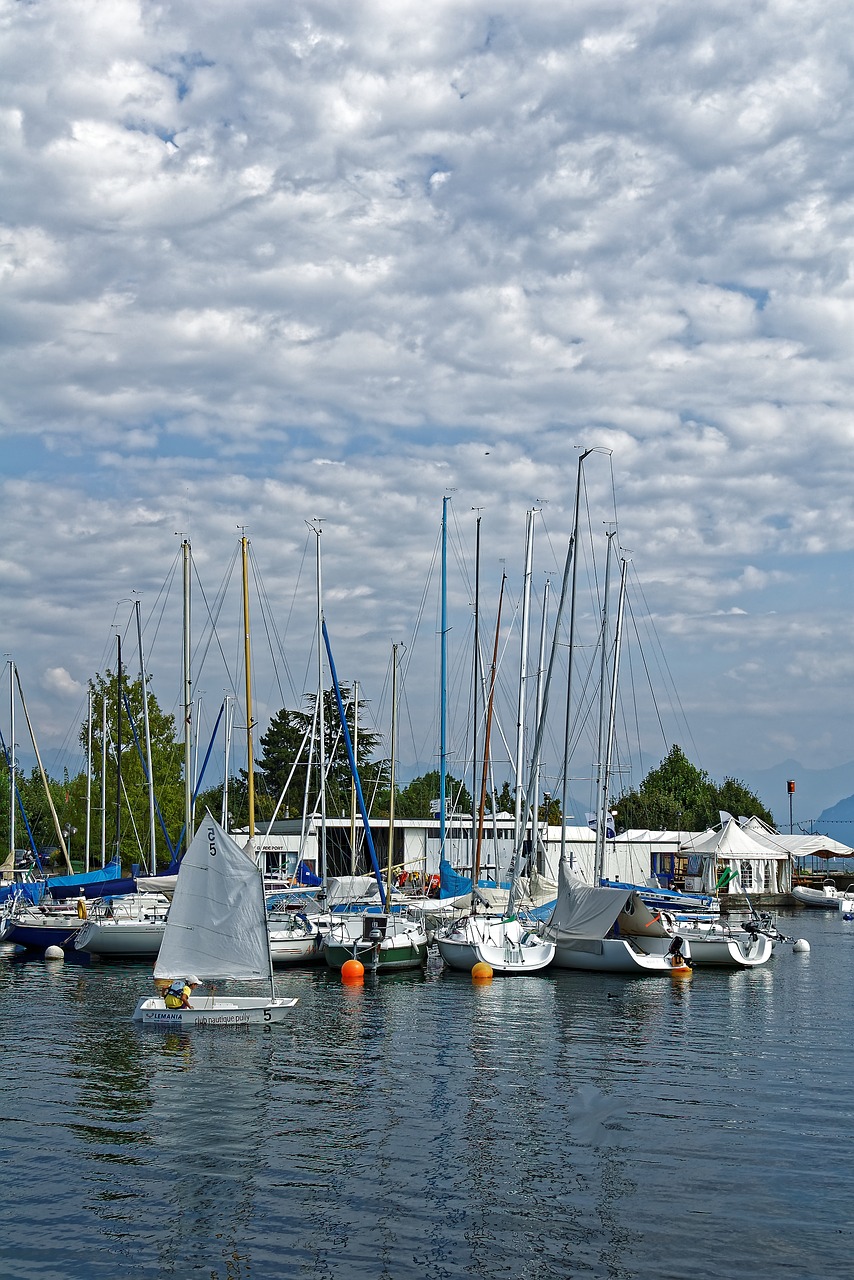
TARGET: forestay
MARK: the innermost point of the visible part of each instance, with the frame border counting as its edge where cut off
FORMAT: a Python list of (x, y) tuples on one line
[(217, 922)]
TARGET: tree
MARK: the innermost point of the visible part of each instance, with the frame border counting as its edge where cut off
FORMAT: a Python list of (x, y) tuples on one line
[(415, 800), (166, 770), (505, 800), (286, 742), (679, 796)]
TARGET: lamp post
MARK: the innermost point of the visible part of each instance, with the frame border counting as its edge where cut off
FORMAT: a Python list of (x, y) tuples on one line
[(790, 787), (68, 831)]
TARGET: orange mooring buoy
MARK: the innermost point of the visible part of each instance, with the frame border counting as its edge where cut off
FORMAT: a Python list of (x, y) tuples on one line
[(481, 972), (353, 973)]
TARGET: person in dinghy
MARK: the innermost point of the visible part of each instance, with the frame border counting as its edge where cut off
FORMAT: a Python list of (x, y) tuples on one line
[(177, 994)]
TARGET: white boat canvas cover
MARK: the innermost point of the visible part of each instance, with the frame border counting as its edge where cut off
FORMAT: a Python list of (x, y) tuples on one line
[(217, 924), (582, 911)]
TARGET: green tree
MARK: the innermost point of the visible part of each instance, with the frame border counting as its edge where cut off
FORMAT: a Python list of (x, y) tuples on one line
[(505, 800), (129, 807), (414, 801), (287, 741), (679, 796)]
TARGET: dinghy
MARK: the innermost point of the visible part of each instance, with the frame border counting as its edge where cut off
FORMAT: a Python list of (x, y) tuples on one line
[(216, 929)]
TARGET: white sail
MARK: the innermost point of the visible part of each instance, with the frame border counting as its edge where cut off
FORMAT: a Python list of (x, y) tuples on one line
[(217, 925)]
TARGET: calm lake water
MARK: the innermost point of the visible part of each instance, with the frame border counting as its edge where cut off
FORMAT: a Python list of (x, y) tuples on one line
[(554, 1126)]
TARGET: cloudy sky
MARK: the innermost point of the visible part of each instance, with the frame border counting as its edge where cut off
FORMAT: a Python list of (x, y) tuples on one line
[(268, 264)]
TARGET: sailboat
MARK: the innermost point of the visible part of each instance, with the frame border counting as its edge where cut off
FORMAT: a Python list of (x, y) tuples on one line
[(216, 930), (502, 941), (383, 941)]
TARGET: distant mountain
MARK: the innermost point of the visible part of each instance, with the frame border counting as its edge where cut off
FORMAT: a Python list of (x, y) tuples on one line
[(838, 821), (817, 795)]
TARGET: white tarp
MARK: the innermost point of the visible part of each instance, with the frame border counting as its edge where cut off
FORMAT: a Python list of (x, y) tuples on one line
[(217, 924)]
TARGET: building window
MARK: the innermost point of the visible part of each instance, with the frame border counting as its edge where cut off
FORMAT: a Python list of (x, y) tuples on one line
[(747, 876)]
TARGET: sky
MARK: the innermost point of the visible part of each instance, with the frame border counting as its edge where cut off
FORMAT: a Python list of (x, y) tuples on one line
[(268, 265)]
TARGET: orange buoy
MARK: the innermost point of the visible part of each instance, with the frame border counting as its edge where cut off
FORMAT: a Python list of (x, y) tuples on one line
[(681, 971), (353, 973), (481, 972)]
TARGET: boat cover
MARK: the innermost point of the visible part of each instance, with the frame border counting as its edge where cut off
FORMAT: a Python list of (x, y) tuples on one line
[(584, 912)]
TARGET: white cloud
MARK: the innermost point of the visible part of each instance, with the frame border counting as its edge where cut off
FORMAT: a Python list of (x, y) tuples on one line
[(331, 261)]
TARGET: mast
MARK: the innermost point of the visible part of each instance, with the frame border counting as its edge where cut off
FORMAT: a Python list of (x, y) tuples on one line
[(60, 837), (12, 763), (612, 712), (149, 780), (188, 701), (536, 763), (601, 783), (394, 649), (88, 778), (486, 736), (321, 719), (523, 675), (475, 687), (104, 732), (443, 680), (250, 767), (352, 781), (229, 716), (118, 746), (568, 721)]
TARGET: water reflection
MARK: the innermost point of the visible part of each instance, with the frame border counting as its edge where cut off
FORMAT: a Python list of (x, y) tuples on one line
[(421, 1123)]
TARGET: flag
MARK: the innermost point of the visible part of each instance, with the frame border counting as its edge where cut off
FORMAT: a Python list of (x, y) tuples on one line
[(610, 829)]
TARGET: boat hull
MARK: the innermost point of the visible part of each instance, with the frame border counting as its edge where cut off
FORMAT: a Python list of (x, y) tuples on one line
[(610, 955), (385, 958), (213, 1011), (807, 897), (501, 943), (292, 948), (115, 938), (38, 937)]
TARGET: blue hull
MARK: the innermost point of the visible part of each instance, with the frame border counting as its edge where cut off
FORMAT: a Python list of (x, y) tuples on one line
[(36, 937)]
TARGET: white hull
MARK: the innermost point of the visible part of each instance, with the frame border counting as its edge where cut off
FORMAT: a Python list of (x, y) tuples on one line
[(826, 898), (728, 951), (213, 1011), (289, 948), (612, 955), (505, 945), (120, 937)]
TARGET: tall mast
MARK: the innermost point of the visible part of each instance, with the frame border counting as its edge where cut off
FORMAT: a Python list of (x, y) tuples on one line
[(250, 767), (394, 649), (352, 780), (104, 732), (321, 718), (443, 680), (12, 763), (118, 851), (88, 779), (486, 736), (536, 763), (523, 675), (229, 716), (188, 701), (568, 721), (147, 729), (59, 834), (475, 688), (612, 712), (601, 788)]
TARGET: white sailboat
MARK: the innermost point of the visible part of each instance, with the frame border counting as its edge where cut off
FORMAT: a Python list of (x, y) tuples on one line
[(217, 931)]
